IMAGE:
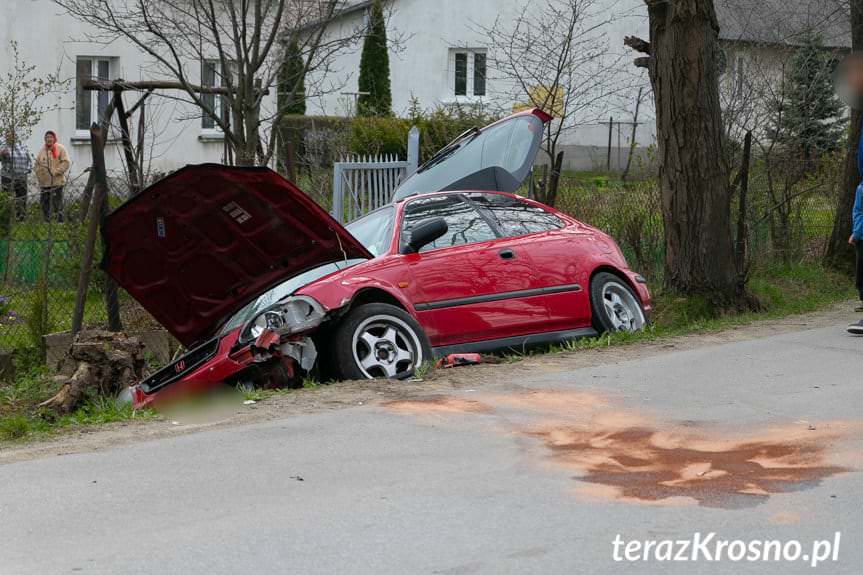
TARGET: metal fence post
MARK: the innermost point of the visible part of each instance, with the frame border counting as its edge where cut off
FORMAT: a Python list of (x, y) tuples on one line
[(413, 150), (338, 183)]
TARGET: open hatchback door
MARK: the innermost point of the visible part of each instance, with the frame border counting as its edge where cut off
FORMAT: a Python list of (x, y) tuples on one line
[(495, 158), (198, 245)]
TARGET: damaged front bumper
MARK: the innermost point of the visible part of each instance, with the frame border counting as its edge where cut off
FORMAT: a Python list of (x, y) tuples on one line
[(271, 350)]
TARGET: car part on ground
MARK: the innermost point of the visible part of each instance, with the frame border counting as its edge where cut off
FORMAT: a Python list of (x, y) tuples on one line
[(458, 360)]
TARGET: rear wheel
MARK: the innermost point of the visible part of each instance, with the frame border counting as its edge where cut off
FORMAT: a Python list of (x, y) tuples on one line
[(614, 304), (378, 340)]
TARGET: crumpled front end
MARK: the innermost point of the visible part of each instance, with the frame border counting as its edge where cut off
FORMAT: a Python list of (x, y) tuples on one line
[(273, 350)]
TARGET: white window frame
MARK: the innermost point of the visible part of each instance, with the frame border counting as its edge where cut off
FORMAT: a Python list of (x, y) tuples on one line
[(471, 69), (94, 95), (215, 130)]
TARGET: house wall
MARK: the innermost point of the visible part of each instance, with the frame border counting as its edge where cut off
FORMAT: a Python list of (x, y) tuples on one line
[(51, 41), (422, 66)]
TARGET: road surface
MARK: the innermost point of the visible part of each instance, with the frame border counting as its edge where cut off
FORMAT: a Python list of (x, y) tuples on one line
[(538, 473)]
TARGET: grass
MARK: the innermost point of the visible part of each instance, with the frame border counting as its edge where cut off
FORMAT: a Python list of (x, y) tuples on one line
[(424, 369), (782, 291), (21, 419)]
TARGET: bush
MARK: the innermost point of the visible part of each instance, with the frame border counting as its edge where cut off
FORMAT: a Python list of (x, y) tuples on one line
[(437, 129)]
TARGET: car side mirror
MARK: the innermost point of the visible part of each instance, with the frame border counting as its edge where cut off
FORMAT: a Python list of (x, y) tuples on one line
[(425, 233)]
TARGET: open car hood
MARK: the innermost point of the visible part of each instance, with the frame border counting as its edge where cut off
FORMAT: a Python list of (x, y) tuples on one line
[(495, 158), (198, 245)]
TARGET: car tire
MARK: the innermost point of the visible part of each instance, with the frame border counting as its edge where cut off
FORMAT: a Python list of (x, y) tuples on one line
[(378, 340), (614, 305)]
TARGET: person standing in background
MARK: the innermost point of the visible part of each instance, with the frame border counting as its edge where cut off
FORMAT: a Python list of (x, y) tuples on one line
[(52, 163), (16, 166)]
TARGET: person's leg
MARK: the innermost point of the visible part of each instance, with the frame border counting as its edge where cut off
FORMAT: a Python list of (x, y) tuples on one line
[(21, 199), (5, 207), (45, 202), (57, 203)]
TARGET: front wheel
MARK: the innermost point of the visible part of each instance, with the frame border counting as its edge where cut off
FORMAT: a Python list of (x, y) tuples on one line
[(614, 305), (378, 340)]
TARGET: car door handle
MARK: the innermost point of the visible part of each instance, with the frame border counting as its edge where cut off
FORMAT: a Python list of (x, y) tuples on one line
[(507, 254)]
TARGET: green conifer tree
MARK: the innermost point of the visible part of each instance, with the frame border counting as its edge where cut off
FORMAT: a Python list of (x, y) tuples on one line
[(375, 68), (292, 86), (811, 117)]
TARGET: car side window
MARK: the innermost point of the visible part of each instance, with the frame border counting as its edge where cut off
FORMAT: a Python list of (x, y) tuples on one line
[(466, 225), (515, 217)]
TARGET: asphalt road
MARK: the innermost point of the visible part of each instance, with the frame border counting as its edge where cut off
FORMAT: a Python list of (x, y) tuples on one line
[(518, 477)]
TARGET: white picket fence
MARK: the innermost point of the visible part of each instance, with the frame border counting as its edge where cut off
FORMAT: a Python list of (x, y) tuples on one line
[(362, 184)]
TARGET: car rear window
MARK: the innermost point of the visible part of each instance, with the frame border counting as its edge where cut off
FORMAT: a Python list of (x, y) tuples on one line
[(515, 217)]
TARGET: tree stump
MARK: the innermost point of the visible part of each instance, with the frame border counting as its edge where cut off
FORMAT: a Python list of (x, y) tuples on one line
[(98, 363)]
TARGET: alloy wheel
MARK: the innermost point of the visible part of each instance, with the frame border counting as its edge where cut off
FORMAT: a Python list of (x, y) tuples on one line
[(385, 346), (622, 308)]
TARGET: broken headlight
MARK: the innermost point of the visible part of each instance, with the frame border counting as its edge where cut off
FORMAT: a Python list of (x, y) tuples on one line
[(293, 315)]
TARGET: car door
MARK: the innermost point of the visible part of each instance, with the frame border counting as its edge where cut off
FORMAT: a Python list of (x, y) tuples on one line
[(470, 284), (554, 250)]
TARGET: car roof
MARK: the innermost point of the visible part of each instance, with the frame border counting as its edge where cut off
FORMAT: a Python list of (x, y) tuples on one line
[(451, 192)]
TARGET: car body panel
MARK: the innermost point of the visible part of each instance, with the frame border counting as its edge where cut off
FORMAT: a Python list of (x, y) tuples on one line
[(200, 244), (385, 274), (480, 296)]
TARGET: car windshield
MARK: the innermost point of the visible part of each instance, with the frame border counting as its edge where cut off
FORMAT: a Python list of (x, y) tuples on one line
[(374, 231)]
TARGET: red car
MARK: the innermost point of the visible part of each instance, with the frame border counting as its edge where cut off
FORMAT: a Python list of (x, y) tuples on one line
[(262, 285)]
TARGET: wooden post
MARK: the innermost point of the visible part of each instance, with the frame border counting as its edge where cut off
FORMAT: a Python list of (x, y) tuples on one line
[(125, 136), (610, 135), (97, 143), (289, 161), (632, 140), (744, 203), (112, 296)]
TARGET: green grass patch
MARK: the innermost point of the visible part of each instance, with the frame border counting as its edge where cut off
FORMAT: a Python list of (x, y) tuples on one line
[(21, 419), (782, 291)]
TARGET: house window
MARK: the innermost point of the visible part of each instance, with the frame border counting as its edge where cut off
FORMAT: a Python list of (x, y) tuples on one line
[(469, 72), (461, 74), (479, 71), (211, 77), (89, 105)]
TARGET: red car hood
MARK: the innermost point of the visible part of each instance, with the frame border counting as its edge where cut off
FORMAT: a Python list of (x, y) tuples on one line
[(197, 246)]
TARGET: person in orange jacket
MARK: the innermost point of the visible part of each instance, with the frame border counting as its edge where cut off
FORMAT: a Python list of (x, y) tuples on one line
[(52, 164)]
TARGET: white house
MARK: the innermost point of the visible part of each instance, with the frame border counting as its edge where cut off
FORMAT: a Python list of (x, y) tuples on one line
[(53, 42), (442, 58)]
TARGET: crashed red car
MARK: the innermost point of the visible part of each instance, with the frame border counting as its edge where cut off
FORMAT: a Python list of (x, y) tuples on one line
[(262, 286)]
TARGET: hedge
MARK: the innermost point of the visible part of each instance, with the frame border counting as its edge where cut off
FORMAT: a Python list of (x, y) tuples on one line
[(325, 139)]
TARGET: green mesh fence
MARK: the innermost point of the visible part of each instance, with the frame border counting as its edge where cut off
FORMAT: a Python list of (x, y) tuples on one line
[(786, 221), (40, 262)]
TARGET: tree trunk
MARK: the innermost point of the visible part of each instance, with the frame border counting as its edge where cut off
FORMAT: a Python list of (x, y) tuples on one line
[(839, 254), (696, 203)]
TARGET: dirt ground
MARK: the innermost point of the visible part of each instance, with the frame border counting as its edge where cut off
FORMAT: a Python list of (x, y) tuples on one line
[(232, 411)]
